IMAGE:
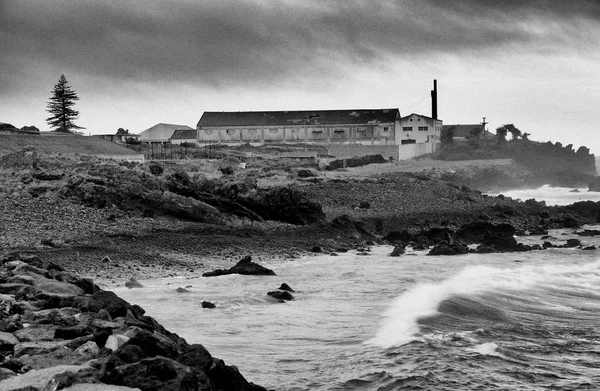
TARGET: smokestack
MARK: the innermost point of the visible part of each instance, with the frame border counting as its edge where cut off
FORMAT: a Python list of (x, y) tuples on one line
[(434, 100)]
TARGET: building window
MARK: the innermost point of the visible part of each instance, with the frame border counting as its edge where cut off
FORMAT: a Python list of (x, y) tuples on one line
[(407, 128), (386, 129), (339, 131), (230, 131), (423, 128), (272, 131), (208, 131), (409, 141)]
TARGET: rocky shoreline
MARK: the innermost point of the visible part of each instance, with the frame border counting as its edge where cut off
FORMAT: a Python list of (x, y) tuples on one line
[(60, 331), (87, 232)]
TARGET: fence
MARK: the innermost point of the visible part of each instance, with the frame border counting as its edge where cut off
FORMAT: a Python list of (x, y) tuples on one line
[(184, 151)]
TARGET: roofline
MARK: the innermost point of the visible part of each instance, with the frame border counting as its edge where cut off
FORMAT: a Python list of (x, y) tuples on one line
[(298, 111)]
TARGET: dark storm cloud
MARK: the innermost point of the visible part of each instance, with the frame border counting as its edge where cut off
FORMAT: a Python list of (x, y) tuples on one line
[(244, 42)]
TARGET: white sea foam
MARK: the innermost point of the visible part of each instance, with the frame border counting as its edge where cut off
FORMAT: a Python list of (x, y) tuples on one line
[(488, 349), (400, 320)]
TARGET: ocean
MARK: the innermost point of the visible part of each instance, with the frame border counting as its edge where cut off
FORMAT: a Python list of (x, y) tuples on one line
[(512, 321)]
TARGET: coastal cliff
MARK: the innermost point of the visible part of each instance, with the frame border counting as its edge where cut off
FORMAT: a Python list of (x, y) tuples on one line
[(533, 164)]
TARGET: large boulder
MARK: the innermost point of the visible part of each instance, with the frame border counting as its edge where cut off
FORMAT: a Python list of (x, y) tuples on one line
[(475, 232), (158, 373), (245, 266), (449, 248)]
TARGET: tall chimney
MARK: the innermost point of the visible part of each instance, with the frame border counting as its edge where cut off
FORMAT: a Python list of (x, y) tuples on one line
[(434, 100)]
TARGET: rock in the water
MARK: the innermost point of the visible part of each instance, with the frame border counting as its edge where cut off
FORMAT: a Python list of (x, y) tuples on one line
[(181, 290), (285, 287), (281, 295), (445, 248), (397, 251), (572, 243), (245, 266), (208, 304), (133, 283)]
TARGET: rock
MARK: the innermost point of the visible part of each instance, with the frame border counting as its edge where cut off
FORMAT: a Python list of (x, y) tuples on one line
[(279, 295), (208, 304), (285, 287), (108, 301), (396, 237), (574, 191), (72, 332), (158, 373), (133, 283), (6, 373), (156, 169), (445, 248), (7, 342), (153, 344), (547, 245), (588, 232), (36, 332), (196, 356), (54, 266), (89, 348), (52, 378), (245, 267), (98, 387), (38, 347), (572, 243), (485, 249), (397, 251), (476, 231), (589, 248), (181, 290), (115, 341), (229, 378), (316, 249)]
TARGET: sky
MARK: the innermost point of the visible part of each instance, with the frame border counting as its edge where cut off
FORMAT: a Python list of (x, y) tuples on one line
[(133, 64)]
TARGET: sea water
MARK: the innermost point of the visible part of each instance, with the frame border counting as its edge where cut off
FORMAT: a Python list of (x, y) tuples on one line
[(512, 321)]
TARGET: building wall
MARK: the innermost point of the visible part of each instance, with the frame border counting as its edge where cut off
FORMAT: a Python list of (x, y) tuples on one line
[(409, 151), (373, 134), (421, 129)]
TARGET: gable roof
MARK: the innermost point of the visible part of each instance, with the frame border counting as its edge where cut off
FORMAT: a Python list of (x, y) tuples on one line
[(307, 117), (184, 134), (418, 115), (161, 132)]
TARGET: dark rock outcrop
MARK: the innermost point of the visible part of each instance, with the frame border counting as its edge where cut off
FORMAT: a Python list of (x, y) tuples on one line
[(245, 266), (285, 287), (449, 248), (75, 338), (281, 295)]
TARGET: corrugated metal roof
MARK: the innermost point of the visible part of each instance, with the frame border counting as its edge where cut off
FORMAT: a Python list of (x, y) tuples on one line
[(283, 118), (184, 134)]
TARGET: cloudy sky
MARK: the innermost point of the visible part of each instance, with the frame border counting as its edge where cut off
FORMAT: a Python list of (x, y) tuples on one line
[(533, 63)]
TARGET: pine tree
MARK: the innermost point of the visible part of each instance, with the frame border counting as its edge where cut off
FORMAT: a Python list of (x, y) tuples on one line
[(60, 107)]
